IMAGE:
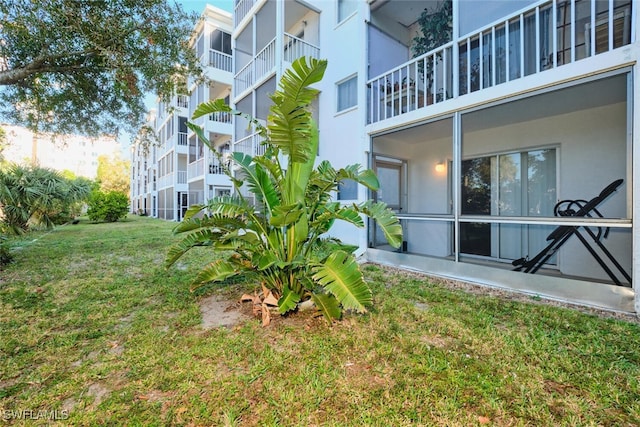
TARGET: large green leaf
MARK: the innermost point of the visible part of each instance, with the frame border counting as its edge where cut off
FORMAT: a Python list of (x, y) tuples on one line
[(288, 301), (217, 221), (290, 119), (328, 306), (386, 219), (218, 105), (286, 215), (298, 174), (208, 107), (197, 238), (199, 131), (258, 180), (215, 272), (341, 275)]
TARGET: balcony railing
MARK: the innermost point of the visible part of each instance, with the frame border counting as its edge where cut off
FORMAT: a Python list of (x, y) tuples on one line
[(182, 177), (195, 169), (182, 101), (182, 138), (547, 35), (220, 116), (220, 60), (250, 145), (264, 62), (216, 167), (295, 48), (241, 9)]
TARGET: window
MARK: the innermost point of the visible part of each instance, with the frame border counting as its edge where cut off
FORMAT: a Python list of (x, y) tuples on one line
[(347, 93), (348, 190), (221, 41), (346, 8)]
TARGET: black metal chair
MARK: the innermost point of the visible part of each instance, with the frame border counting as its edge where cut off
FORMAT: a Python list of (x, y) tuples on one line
[(558, 237)]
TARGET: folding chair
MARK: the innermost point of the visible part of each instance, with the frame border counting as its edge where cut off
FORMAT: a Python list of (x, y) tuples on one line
[(558, 237)]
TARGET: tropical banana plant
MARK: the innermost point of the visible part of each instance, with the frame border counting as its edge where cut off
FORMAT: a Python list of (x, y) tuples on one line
[(276, 237)]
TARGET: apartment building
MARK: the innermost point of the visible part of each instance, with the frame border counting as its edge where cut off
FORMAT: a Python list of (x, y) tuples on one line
[(76, 153), (477, 140), (178, 170)]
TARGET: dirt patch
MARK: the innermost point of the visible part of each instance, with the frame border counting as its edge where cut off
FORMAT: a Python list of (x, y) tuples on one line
[(218, 311)]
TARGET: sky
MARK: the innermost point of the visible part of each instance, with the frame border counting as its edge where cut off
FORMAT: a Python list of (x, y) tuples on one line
[(198, 5)]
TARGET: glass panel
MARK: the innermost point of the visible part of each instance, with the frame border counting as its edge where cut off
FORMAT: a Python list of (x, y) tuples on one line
[(510, 186), (563, 27), (476, 186), (529, 44), (431, 238), (475, 64), (475, 238), (541, 181), (501, 56), (347, 93), (462, 64), (389, 192), (514, 49), (546, 38), (487, 66), (346, 8), (582, 28)]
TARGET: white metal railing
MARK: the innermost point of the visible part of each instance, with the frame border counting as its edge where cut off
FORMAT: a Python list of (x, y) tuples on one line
[(216, 167), (220, 116), (243, 79), (182, 138), (241, 9), (182, 101), (195, 169), (265, 60), (262, 64), (545, 35), (182, 177), (295, 48), (250, 145), (220, 60)]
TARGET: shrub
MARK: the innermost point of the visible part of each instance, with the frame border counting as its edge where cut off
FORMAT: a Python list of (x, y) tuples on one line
[(109, 207)]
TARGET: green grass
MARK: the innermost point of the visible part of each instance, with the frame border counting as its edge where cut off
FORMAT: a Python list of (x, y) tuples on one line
[(92, 324)]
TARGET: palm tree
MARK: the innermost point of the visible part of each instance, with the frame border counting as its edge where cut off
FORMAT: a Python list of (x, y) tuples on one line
[(278, 240), (36, 196)]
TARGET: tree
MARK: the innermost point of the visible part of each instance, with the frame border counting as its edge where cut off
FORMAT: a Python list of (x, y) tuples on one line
[(113, 174), (69, 66), (279, 241), (37, 196)]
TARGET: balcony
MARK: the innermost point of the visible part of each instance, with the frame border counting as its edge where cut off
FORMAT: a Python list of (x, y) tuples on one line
[(195, 169), (220, 117), (545, 36), (264, 62), (250, 145), (182, 139), (182, 177), (220, 60), (241, 10), (182, 101)]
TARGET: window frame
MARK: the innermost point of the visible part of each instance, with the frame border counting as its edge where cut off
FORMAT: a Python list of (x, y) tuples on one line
[(339, 84)]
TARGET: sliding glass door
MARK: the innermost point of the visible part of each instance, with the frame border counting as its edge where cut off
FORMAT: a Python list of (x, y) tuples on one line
[(517, 184)]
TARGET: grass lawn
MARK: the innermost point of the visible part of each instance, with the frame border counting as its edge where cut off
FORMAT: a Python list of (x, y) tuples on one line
[(94, 330)]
